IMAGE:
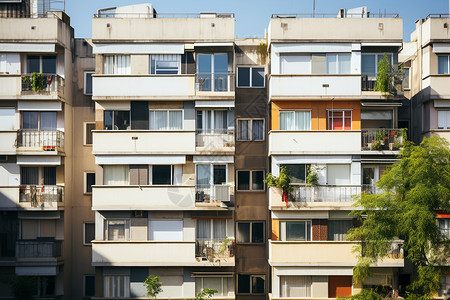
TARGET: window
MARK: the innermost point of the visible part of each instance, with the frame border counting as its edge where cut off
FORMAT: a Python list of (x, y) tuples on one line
[(337, 229), (38, 175), (88, 128), (166, 174), (250, 77), (116, 286), (215, 121), (443, 64), (250, 130), (444, 227), (211, 229), (250, 180), (211, 174), (295, 230), (41, 64), (116, 120), (138, 174), (406, 79), (443, 119), (89, 286), (117, 230), (297, 173), (338, 63), (116, 64), (295, 64), (369, 63), (251, 284), (223, 285), (295, 286), (89, 181), (317, 63), (295, 120), (250, 232), (165, 230), (88, 83), (165, 64), (116, 175), (7, 118), (212, 72), (35, 120), (339, 120), (88, 233), (338, 174), (166, 119), (9, 63)]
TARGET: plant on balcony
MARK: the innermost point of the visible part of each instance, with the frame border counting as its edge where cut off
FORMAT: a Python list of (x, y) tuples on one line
[(383, 83), (414, 190), (312, 178), (283, 182), (153, 286), (224, 245), (37, 82), (205, 294)]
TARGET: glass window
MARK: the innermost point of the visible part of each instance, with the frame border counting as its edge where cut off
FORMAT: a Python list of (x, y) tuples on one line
[(250, 232), (223, 285), (214, 121), (338, 174), (339, 120), (212, 72), (117, 120), (444, 227), (256, 178), (295, 286), (30, 120), (41, 64), (88, 128), (88, 233), (203, 229), (297, 172), (33, 64), (369, 63), (250, 130), (318, 64), (295, 120), (49, 64), (406, 79), (332, 63), (48, 120), (89, 286), (117, 230), (338, 229), (29, 175), (295, 230), (165, 64), (116, 286), (116, 64), (443, 119), (165, 230), (162, 174), (116, 175), (7, 118), (49, 175), (443, 62), (250, 77), (215, 228), (251, 284), (90, 181), (166, 119), (243, 77), (88, 83), (295, 64)]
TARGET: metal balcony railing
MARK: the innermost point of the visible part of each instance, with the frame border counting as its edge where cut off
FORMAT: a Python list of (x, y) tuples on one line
[(213, 193), (368, 82), (333, 15), (214, 82), (328, 193), (214, 138), (38, 248), (49, 140), (214, 249), (382, 139), (50, 83), (38, 195), (111, 13)]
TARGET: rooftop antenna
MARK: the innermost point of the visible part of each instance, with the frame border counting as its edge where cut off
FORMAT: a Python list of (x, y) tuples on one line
[(314, 8)]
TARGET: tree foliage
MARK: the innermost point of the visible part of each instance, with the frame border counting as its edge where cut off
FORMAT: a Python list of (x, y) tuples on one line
[(205, 294), (153, 286), (383, 82), (413, 191), (283, 181)]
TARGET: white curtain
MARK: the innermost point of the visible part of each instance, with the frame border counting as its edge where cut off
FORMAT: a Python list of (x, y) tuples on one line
[(167, 230), (243, 130), (116, 175), (338, 174), (220, 120), (331, 64), (116, 285), (344, 63), (295, 286), (295, 64), (116, 64), (287, 120), (204, 175), (204, 229), (302, 120), (220, 229), (444, 119), (258, 130), (175, 120)]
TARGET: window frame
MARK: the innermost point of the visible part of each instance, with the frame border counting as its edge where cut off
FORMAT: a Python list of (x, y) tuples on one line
[(250, 181), (250, 129), (409, 79), (448, 63), (168, 121), (444, 231), (172, 174), (115, 58), (127, 226), (126, 289), (41, 63), (84, 233), (223, 286), (85, 182), (84, 82), (251, 77), (84, 285), (306, 230), (211, 228), (38, 119), (149, 232), (212, 120), (211, 165), (113, 119), (343, 119), (251, 285), (283, 283), (338, 57), (250, 233), (154, 55), (294, 111), (85, 135), (438, 113)]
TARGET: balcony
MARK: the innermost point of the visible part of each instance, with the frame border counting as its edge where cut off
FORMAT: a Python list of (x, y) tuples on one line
[(143, 142), (161, 87), (215, 85), (16, 86), (107, 197), (8, 144), (215, 250), (436, 86), (283, 142), (40, 248), (38, 197), (295, 86), (51, 83), (206, 194), (40, 140), (325, 253), (214, 140), (382, 139)]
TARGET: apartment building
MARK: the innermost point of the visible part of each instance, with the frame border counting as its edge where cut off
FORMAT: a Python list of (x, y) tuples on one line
[(426, 62), (327, 120), (164, 152), (36, 149)]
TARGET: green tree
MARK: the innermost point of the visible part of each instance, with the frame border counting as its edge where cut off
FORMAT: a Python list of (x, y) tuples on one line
[(413, 190), (153, 286), (205, 294), (383, 82)]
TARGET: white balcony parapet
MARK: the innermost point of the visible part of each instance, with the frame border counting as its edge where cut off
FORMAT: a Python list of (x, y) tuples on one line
[(107, 197), (283, 142), (214, 140)]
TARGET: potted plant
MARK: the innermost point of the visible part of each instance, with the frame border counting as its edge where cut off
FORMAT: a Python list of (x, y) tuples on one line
[(283, 182), (37, 82)]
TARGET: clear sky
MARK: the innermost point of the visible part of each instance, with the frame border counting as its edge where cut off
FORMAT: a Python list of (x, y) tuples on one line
[(252, 16)]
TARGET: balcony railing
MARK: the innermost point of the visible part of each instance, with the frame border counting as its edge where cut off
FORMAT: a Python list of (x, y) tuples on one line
[(38, 248), (50, 83), (327, 193), (49, 140), (214, 138), (38, 195), (382, 139), (214, 249), (214, 82), (213, 193), (368, 82)]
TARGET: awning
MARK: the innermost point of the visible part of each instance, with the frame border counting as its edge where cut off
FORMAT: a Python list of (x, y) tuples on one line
[(27, 47), (442, 103), (136, 48), (38, 160), (229, 44), (441, 47), (213, 159), (375, 44), (313, 48), (214, 104), (39, 105), (140, 159)]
